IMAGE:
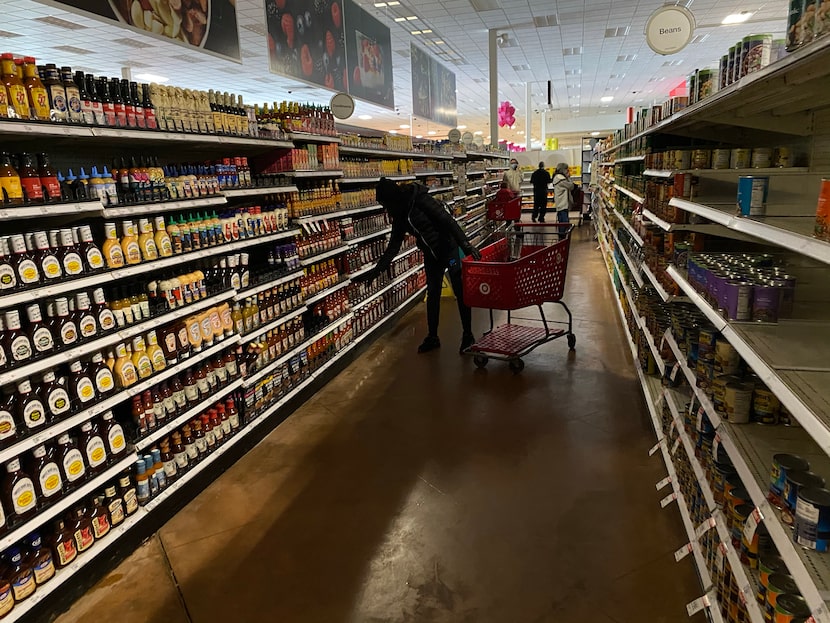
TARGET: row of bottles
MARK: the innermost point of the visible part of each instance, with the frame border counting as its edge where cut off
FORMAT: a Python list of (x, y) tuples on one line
[(296, 117), (367, 316), (308, 158), (326, 311), (257, 311), (41, 554), (357, 227), (165, 401), (319, 277), (362, 198), (185, 448), (202, 112), (315, 198), (37, 480), (363, 255), (310, 244), (284, 258), (276, 343), (363, 290), (371, 167)]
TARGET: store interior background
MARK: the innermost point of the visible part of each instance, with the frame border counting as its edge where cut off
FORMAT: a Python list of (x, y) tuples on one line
[(589, 51)]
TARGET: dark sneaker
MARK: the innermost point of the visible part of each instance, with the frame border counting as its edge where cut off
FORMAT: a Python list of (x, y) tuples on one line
[(467, 340), (429, 343)]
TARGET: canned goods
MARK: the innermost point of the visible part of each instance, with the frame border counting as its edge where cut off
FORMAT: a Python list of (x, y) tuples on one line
[(778, 584), (752, 195), (737, 400), (756, 54), (794, 24), (720, 158), (822, 230), (791, 608), (740, 158), (782, 464), (760, 542), (765, 301), (795, 481), (812, 519), (736, 70), (740, 513), (705, 83), (738, 298), (782, 157), (719, 384), (727, 359), (701, 158), (682, 185), (707, 338), (765, 406), (761, 157), (682, 159), (724, 64), (786, 288), (705, 373), (768, 564)]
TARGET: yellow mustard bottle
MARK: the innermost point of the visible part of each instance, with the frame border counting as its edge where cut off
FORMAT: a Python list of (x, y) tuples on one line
[(155, 353), (147, 241), (142, 362), (123, 369), (129, 243), (113, 254), (162, 238)]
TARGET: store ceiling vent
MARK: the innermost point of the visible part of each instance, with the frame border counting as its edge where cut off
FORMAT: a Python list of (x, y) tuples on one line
[(257, 28), (672, 63), (133, 43), (616, 32), (9, 35), (521, 67), (189, 58), (626, 57), (60, 23), (133, 64), (72, 49), (573, 72), (485, 5), (545, 21), (572, 51)]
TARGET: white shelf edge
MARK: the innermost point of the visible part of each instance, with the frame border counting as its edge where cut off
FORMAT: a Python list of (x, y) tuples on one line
[(635, 271), (664, 225), (629, 227), (319, 296), (715, 318), (256, 192), (250, 337), (387, 287), (442, 189), (253, 290), (164, 206), (324, 255), (300, 220)]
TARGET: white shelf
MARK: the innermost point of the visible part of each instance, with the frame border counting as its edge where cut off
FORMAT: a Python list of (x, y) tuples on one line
[(313, 174), (651, 216), (250, 337), (475, 204), (629, 227), (313, 259), (257, 192), (435, 173), (441, 189), (387, 287), (253, 290), (380, 232), (632, 268), (305, 137), (659, 173), (110, 339), (373, 151), (658, 287), (50, 209), (197, 203), (488, 154), (304, 220), (376, 178), (631, 159), (474, 173), (319, 296), (475, 188), (630, 193)]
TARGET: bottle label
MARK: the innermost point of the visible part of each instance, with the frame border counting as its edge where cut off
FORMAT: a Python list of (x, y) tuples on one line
[(115, 257), (201, 444), (28, 272), (69, 333), (130, 501), (221, 374), (73, 465), (34, 191), (84, 538), (170, 470), (231, 367), (72, 264), (191, 392), (42, 339), (21, 348), (86, 390), (236, 282), (109, 114), (6, 599), (115, 438), (94, 258), (159, 361), (104, 380), (44, 570), (50, 480), (106, 319), (226, 427), (180, 398), (116, 511), (19, 99), (169, 405), (51, 267), (23, 496), (7, 426), (142, 490), (74, 104), (52, 187), (40, 102), (234, 420), (8, 279), (203, 385), (58, 401), (128, 374), (88, 326), (100, 526), (33, 414), (144, 367), (192, 451), (150, 250), (166, 247), (66, 552), (23, 585), (96, 454), (133, 253), (181, 459)]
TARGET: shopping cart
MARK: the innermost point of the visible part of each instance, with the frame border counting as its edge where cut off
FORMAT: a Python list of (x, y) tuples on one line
[(525, 269), (506, 210)]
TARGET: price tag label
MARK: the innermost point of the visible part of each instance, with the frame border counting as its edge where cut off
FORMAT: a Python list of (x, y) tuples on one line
[(683, 552), (663, 482), (715, 445), (675, 369), (668, 500), (705, 527), (719, 557), (700, 413), (751, 524), (744, 592), (656, 447), (697, 605), (663, 339), (672, 426), (675, 446)]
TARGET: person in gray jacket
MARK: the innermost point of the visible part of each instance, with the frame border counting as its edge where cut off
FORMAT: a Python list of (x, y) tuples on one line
[(562, 187)]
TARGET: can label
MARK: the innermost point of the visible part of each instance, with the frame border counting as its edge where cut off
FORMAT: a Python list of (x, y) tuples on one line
[(752, 195)]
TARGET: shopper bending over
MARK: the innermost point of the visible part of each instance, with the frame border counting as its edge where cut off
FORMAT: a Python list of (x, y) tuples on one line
[(513, 177), (562, 187), (413, 210), (541, 180)]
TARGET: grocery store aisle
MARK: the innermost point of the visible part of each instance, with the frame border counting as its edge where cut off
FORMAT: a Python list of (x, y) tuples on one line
[(417, 489)]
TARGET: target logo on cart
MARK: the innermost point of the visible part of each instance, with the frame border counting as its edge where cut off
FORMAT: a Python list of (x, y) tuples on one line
[(484, 288), (559, 258)]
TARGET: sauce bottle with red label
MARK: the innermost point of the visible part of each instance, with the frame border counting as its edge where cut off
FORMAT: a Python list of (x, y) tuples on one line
[(29, 179), (100, 518), (48, 179), (18, 493), (61, 544), (80, 525), (46, 476)]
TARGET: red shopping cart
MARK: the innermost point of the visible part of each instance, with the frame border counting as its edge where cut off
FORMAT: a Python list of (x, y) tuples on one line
[(526, 268), (505, 210)]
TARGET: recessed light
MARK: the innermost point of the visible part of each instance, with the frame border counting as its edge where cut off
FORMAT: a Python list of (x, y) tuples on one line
[(606, 98), (432, 132), (737, 18), (415, 32), (479, 133), (419, 136), (426, 32), (393, 131), (461, 127), (594, 133), (404, 126), (411, 18), (400, 19), (438, 41), (364, 117), (151, 78)]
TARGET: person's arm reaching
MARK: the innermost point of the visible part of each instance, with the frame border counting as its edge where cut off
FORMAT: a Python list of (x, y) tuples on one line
[(442, 220), (385, 260)]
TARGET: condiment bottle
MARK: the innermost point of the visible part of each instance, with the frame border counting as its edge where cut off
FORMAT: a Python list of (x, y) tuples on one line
[(142, 482), (74, 103), (19, 574), (46, 476), (114, 88), (233, 414), (37, 93), (179, 394), (8, 424), (8, 276), (39, 558), (129, 243), (114, 505), (93, 448), (16, 343), (210, 437), (19, 496), (168, 462), (54, 397), (155, 352), (39, 334), (71, 461), (29, 178), (101, 375), (62, 544), (216, 425), (80, 525), (104, 315), (81, 386), (163, 242), (139, 416), (113, 253), (190, 446), (48, 179), (31, 413), (124, 369), (63, 326), (179, 453), (47, 258), (147, 241), (71, 261), (100, 518), (183, 339), (158, 469), (25, 267), (90, 252), (149, 108), (229, 360), (191, 388), (18, 98), (128, 493), (149, 411), (169, 344), (141, 361), (85, 318)]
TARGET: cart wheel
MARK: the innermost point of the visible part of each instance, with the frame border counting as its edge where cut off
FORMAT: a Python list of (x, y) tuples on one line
[(571, 341), (480, 361), (516, 365)]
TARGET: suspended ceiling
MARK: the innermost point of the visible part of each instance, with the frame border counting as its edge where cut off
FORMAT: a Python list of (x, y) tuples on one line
[(588, 50)]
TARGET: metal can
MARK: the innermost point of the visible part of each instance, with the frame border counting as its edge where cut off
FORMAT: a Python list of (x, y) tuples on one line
[(740, 158), (756, 54), (738, 402), (738, 300), (745, 43), (812, 519), (786, 289), (740, 513), (682, 159), (750, 549), (778, 51), (761, 157), (782, 157), (765, 406), (727, 359), (791, 609), (733, 498), (822, 229), (778, 584), (795, 481), (768, 564), (794, 24), (720, 158), (765, 301), (706, 344), (752, 195), (781, 465), (682, 185), (701, 158)]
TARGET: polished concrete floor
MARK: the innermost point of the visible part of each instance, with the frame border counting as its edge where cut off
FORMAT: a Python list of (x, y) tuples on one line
[(415, 488)]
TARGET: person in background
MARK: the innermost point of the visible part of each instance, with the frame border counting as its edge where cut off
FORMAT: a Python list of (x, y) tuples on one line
[(513, 177), (414, 211), (540, 179), (562, 187)]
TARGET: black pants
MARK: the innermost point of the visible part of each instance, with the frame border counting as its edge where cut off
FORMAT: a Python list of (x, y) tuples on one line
[(435, 280), (540, 206)]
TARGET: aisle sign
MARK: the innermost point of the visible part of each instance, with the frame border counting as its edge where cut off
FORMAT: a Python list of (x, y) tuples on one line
[(342, 105), (669, 29)]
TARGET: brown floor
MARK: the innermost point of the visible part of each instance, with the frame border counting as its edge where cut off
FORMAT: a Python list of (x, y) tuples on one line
[(417, 489)]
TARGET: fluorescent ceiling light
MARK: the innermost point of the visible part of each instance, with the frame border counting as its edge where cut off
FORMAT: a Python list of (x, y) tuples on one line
[(364, 117), (438, 41), (426, 32), (400, 19), (594, 133), (393, 131), (151, 78), (462, 127), (606, 98), (419, 136), (432, 132), (737, 18), (412, 18), (404, 126), (415, 32), (520, 132)]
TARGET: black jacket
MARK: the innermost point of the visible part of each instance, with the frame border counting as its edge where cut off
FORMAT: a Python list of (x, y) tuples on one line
[(541, 180), (437, 233)]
